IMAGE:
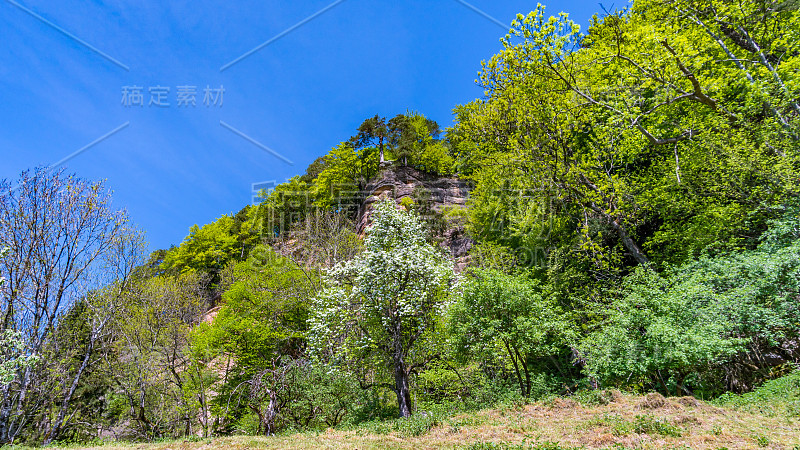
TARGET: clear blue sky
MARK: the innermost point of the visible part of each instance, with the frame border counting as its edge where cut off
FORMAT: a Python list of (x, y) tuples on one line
[(64, 66)]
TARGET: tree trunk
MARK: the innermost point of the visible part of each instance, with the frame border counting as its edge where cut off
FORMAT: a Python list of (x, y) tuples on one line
[(56, 429), (11, 418), (271, 414), (401, 388), (616, 223), (630, 244), (522, 362), (516, 368)]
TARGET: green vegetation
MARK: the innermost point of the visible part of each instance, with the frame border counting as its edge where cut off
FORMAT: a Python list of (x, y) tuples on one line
[(632, 225), (504, 318), (617, 423), (776, 398), (383, 303)]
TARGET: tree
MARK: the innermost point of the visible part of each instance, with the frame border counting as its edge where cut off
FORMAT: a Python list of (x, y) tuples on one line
[(261, 323), (642, 130), (149, 363), (208, 249), (347, 170), (371, 132), (83, 331), (3, 253), (658, 333), (327, 238), (710, 325), (378, 305), (414, 141), (63, 234), (15, 356), (505, 314), (285, 206)]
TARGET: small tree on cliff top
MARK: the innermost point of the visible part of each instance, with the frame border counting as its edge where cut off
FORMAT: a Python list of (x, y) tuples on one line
[(378, 305)]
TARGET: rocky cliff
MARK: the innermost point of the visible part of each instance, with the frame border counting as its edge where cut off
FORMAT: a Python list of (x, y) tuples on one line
[(437, 198)]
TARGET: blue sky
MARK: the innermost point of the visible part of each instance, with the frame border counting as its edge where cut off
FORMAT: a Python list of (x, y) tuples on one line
[(175, 166)]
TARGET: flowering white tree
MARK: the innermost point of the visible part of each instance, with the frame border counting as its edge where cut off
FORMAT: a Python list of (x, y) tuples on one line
[(14, 353), (381, 302)]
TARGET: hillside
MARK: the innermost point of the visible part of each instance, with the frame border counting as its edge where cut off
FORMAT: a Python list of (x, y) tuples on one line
[(619, 212), (768, 418)]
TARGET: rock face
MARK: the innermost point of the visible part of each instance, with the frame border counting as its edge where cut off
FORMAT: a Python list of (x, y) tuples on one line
[(439, 194)]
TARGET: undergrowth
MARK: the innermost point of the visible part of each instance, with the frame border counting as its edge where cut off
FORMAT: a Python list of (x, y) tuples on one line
[(775, 398)]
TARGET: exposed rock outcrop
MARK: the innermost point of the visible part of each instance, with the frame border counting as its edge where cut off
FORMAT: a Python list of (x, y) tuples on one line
[(441, 194)]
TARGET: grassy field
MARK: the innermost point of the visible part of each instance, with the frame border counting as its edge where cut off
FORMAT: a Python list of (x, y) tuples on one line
[(624, 422), (766, 418)]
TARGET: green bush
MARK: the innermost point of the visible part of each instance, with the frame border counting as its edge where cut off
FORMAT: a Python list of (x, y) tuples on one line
[(506, 318), (423, 420), (779, 397), (647, 424), (704, 322)]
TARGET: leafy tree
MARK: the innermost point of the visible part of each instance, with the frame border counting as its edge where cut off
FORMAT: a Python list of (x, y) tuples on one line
[(149, 361), (713, 324), (288, 204), (15, 356), (207, 249), (346, 173), (299, 393), (414, 139), (659, 332), (633, 131), (373, 132), (262, 321), (378, 306), (263, 313), (509, 315)]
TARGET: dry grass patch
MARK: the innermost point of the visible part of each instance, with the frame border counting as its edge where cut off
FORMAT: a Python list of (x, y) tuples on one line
[(649, 422)]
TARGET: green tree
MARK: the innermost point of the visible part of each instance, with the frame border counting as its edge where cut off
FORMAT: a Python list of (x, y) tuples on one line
[(712, 324), (659, 333), (208, 249), (288, 204), (509, 315), (15, 356), (634, 131), (415, 142), (149, 359), (373, 132), (346, 172), (379, 305), (261, 322)]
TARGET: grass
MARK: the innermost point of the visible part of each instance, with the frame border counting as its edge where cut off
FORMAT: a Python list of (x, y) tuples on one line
[(609, 420), (778, 397)]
